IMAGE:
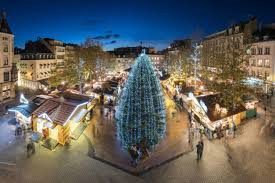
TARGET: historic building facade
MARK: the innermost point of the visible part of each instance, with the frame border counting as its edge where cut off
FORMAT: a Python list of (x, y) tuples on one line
[(238, 34), (7, 89), (262, 60), (39, 59)]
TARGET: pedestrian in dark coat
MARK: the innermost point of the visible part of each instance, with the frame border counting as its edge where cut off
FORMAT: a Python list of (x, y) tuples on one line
[(199, 151)]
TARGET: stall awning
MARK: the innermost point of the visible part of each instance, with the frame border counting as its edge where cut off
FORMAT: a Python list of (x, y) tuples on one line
[(44, 82), (25, 109), (79, 116)]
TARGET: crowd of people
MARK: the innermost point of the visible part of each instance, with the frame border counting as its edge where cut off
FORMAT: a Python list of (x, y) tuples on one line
[(198, 130)]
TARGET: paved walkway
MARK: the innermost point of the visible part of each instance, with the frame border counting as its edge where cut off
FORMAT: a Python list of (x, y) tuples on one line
[(247, 158), (7, 137), (102, 134)]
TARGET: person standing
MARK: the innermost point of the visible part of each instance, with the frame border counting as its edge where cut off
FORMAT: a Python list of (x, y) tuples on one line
[(227, 127), (181, 102), (199, 150), (234, 129)]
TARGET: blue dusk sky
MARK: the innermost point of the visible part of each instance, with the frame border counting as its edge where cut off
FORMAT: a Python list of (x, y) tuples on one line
[(118, 23)]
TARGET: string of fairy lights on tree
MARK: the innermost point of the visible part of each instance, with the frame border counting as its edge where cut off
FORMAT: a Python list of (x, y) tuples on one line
[(142, 114)]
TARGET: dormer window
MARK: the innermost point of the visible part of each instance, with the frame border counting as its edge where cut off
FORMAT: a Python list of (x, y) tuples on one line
[(237, 29), (230, 31)]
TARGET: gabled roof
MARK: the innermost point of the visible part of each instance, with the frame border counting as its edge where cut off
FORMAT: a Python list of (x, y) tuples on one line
[(61, 109), (28, 109), (25, 109), (4, 26)]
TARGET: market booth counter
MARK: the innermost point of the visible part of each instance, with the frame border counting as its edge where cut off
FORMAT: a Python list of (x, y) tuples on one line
[(59, 119), (25, 109), (210, 112)]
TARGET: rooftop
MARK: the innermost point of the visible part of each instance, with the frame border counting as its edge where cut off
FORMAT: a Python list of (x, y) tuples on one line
[(211, 100), (266, 33), (4, 26), (61, 108), (28, 109)]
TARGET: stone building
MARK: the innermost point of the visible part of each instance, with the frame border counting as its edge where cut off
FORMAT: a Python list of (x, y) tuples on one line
[(262, 60), (7, 89), (39, 59), (237, 34)]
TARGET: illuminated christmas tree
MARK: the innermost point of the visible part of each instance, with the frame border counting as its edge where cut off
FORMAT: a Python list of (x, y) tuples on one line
[(142, 114)]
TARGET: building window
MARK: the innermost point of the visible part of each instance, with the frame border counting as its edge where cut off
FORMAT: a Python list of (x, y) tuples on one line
[(267, 63), (260, 51), (6, 61), (253, 63), (267, 51), (253, 51), (230, 31), (266, 75), (6, 76), (60, 56), (253, 73), (260, 63), (237, 30), (6, 48)]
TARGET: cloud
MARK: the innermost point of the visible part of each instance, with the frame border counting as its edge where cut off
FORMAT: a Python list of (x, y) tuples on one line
[(99, 37), (116, 36), (106, 37), (109, 42)]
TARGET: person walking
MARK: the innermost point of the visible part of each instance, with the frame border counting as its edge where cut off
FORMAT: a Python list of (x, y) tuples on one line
[(110, 112), (227, 128), (199, 150), (234, 129)]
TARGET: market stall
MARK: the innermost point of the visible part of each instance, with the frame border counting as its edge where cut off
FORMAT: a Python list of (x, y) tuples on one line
[(213, 114), (26, 107)]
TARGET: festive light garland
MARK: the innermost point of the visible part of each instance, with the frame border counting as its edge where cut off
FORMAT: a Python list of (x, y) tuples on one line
[(142, 113)]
